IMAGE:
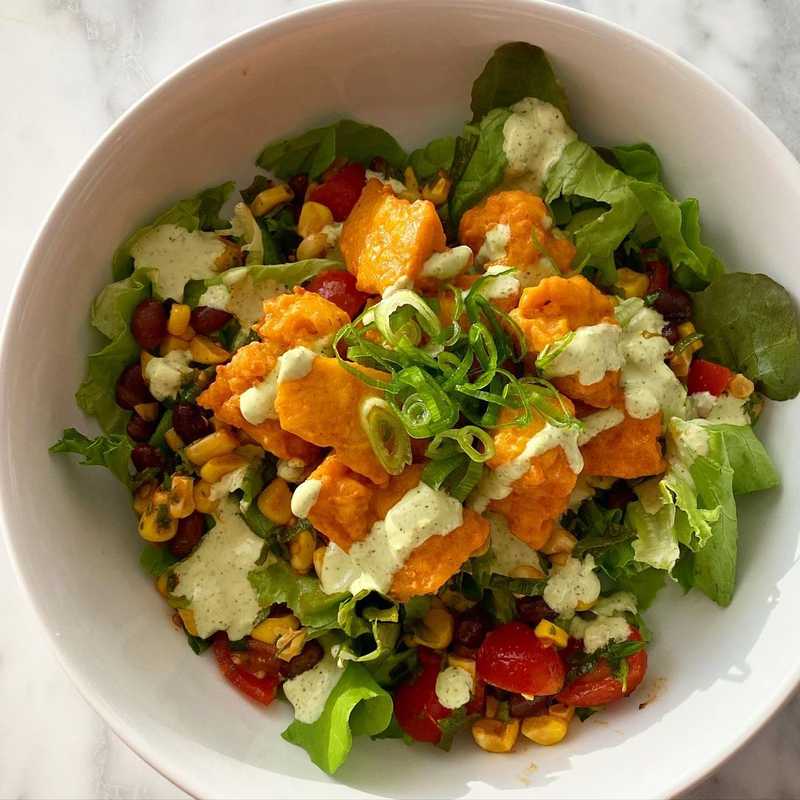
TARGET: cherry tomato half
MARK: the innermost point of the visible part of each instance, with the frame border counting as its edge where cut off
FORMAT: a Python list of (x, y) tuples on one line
[(415, 705), (706, 376), (513, 658), (262, 690), (599, 687), (339, 287), (341, 191)]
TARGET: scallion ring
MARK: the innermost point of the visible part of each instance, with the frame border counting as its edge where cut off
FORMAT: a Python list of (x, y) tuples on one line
[(423, 315), (386, 434), (466, 438)]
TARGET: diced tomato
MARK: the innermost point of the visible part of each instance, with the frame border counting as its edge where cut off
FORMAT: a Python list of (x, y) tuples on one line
[(415, 705), (706, 376), (339, 287), (262, 690), (513, 658), (599, 687), (341, 191), (658, 273)]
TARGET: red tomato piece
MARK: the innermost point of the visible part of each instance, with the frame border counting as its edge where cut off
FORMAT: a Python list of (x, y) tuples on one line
[(415, 705), (513, 658), (706, 376), (339, 287), (658, 272), (341, 191), (262, 690), (599, 687)]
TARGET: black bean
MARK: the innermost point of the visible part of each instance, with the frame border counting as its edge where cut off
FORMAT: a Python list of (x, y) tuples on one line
[(532, 610), (144, 456), (189, 422), (673, 304), (309, 657), (131, 388), (139, 429)]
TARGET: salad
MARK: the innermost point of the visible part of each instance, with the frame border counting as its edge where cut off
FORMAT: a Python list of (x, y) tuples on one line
[(413, 440)]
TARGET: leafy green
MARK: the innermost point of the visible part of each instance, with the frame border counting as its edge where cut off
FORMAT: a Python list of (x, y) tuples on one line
[(485, 167), (314, 151), (293, 273), (436, 155), (516, 70), (752, 467), (749, 323), (640, 161), (198, 645), (644, 584), (258, 523), (357, 706), (111, 315), (112, 452), (198, 212), (394, 668), (155, 561), (452, 724), (164, 424)]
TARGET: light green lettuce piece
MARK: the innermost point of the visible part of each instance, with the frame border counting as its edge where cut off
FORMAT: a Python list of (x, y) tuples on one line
[(378, 629), (357, 706), (656, 542), (112, 452), (640, 161)]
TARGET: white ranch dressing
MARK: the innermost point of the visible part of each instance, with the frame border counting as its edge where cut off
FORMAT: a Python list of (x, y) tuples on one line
[(598, 422), (501, 288), (453, 687), (397, 186), (295, 364), (217, 296), (724, 409), (166, 375), (291, 469), (403, 282), (179, 256), (534, 274), (304, 497), (593, 351), (257, 403), (247, 296), (214, 577), (309, 691), (228, 483), (508, 551), (494, 244), (534, 137), (573, 583), (600, 632), (447, 264)]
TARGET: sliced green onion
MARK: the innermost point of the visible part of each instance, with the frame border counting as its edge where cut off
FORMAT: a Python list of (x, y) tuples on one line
[(427, 409), (552, 351), (425, 318), (686, 341), (460, 484), (386, 435), (542, 396), (435, 473), (458, 311), (464, 438), (483, 346)]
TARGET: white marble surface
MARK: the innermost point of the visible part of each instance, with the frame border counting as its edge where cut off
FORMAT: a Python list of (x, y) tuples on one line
[(70, 68)]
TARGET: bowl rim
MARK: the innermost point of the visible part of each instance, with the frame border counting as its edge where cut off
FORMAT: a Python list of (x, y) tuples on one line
[(184, 779)]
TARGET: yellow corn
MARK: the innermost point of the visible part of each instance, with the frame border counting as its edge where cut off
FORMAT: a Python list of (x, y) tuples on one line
[(313, 218), (559, 559), (161, 583), (438, 191), (680, 362), (560, 711), (202, 498), (312, 246), (156, 524), (181, 496), (549, 633), (686, 329), (633, 284), (231, 256), (271, 629), (412, 184), (527, 571), (187, 617), (219, 443), (206, 351), (171, 343), (178, 320), (141, 497), (545, 729), (740, 387), (219, 466), (436, 630), (144, 359), (174, 442), (271, 198), (147, 411), (275, 502), (467, 664), (492, 704), (291, 644), (301, 552), (251, 452), (319, 559), (583, 605), (495, 736), (560, 541)]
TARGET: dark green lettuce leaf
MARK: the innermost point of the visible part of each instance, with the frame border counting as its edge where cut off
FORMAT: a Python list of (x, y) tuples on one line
[(749, 323), (640, 161), (753, 470), (437, 155), (516, 70), (155, 560), (112, 452), (314, 151)]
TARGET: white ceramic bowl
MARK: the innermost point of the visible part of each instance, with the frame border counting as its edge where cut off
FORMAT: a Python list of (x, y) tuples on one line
[(715, 675)]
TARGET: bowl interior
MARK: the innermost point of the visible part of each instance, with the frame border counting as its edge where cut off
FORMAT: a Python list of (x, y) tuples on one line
[(408, 67)]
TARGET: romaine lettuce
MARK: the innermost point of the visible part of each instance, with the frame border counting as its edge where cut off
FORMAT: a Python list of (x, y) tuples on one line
[(112, 452), (640, 161)]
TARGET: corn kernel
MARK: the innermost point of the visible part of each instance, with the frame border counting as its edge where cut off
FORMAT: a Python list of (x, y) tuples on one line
[(147, 411), (252, 452), (202, 498), (141, 497), (319, 559), (291, 644), (174, 442), (545, 729), (181, 496), (550, 633), (686, 329), (633, 284), (206, 351), (584, 605), (495, 736), (301, 552), (559, 559), (740, 387), (161, 583), (275, 502), (156, 524), (467, 664), (313, 218), (560, 711), (231, 256), (436, 629), (219, 443), (271, 198), (171, 343), (187, 617), (312, 246), (412, 185), (438, 191), (528, 571), (560, 541), (271, 629), (219, 466), (178, 320)]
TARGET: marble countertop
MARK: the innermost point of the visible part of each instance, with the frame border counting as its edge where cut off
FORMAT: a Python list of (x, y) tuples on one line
[(71, 68)]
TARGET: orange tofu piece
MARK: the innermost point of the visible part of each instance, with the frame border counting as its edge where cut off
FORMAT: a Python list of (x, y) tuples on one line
[(387, 238), (248, 367), (525, 214), (600, 395), (541, 495), (324, 408), (300, 318), (632, 449)]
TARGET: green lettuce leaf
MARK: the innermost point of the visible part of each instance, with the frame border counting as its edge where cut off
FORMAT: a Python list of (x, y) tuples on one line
[(753, 470), (657, 542), (357, 706), (112, 452), (640, 161), (111, 315), (155, 560), (516, 70), (198, 212), (436, 155), (314, 151), (749, 323), (374, 633)]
